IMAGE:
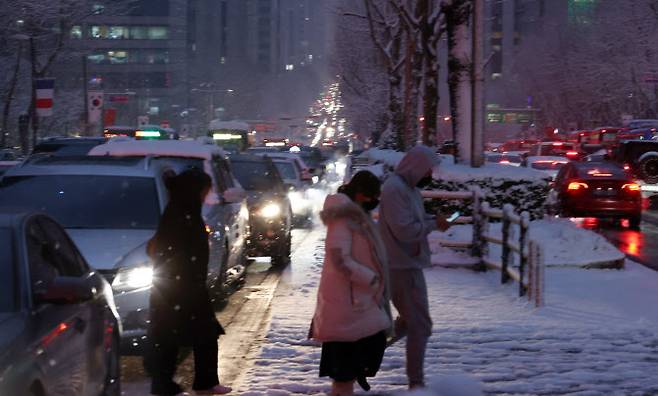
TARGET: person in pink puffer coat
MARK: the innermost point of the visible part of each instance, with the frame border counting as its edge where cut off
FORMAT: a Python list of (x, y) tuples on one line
[(352, 316)]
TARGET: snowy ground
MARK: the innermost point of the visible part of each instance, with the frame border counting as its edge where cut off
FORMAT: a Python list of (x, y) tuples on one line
[(597, 335)]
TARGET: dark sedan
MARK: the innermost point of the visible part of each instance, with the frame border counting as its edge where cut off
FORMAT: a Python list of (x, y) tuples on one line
[(598, 189), (270, 213), (59, 329)]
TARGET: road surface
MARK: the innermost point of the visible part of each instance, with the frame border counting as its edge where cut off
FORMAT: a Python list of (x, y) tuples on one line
[(640, 246)]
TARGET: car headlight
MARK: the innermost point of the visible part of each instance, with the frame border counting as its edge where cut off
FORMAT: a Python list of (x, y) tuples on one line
[(133, 278), (270, 210)]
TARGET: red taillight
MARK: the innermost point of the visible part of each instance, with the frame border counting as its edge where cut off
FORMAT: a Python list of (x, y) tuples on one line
[(504, 162), (572, 153), (577, 186), (627, 167), (557, 144), (631, 187)]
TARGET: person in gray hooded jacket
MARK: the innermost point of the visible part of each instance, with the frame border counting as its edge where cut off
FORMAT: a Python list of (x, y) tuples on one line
[(404, 228)]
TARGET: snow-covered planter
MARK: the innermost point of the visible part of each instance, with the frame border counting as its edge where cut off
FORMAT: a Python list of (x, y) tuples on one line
[(526, 189), (524, 194)]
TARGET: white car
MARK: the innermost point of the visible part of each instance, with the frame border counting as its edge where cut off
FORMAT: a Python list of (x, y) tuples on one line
[(550, 165), (110, 207)]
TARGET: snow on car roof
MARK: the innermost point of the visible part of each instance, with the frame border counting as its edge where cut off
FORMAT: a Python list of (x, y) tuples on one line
[(164, 148)]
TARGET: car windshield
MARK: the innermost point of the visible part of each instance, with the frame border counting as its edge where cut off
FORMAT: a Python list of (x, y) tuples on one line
[(256, 175), (547, 165), (7, 299), (286, 169), (86, 201)]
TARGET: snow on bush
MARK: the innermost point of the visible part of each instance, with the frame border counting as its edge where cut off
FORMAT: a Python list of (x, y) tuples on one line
[(526, 189)]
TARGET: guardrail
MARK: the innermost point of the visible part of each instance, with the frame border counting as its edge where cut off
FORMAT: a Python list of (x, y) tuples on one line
[(529, 253)]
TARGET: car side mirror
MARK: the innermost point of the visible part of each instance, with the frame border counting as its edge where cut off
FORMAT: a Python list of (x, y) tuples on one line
[(234, 195), (66, 290)]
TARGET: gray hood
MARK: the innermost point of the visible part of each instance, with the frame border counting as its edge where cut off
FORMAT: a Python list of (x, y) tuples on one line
[(416, 163)]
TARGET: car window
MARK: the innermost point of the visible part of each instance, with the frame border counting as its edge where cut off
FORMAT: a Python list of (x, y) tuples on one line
[(66, 256), (86, 201), (225, 179), (286, 169), (7, 271), (257, 175), (40, 258)]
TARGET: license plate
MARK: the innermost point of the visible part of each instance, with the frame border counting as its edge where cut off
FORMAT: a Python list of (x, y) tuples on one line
[(605, 192)]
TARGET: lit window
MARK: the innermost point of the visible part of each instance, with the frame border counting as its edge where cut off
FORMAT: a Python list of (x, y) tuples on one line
[(290, 67)]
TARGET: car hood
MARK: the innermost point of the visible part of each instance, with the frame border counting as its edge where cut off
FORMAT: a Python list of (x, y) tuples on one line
[(104, 248), (253, 197), (11, 326)]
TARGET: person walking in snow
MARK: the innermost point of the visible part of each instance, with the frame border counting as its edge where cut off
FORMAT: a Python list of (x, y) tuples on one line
[(404, 227), (352, 315), (181, 312)]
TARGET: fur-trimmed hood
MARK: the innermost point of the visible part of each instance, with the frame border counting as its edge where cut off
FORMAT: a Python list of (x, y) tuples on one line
[(341, 206)]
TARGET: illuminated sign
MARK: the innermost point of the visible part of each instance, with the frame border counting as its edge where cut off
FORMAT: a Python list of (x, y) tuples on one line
[(147, 134), (225, 136)]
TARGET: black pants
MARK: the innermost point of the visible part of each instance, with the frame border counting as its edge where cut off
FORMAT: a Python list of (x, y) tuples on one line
[(163, 366)]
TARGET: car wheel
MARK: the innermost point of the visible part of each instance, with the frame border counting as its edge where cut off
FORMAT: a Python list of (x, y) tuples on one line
[(634, 222), (283, 258), (219, 288), (112, 385), (648, 168)]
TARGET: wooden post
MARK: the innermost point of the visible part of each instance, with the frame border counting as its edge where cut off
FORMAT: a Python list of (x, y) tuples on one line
[(504, 276), (484, 208), (476, 248), (523, 228), (539, 277), (531, 269)]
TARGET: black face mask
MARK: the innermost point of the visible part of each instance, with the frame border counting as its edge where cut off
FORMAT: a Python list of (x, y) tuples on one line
[(368, 206), (424, 182)]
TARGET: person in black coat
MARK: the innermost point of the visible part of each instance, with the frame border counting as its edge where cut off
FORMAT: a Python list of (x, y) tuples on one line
[(181, 313)]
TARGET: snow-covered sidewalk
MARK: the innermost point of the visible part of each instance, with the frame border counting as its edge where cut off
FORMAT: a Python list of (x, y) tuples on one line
[(597, 335)]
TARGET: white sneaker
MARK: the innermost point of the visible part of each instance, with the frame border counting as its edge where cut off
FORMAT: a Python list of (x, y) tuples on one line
[(215, 390)]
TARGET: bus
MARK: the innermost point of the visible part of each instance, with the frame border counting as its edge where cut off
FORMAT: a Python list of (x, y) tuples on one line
[(232, 136)]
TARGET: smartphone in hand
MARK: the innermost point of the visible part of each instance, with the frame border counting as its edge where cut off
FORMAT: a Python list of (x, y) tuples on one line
[(453, 217)]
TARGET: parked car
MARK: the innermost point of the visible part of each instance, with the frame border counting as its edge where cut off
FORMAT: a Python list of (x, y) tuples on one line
[(547, 164), (597, 189), (67, 146), (303, 169), (225, 209), (300, 202), (6, 165), (640, 157), (270, 212), (110, 207), (225, 212), (557, 149), (59, 327), (513, 159)]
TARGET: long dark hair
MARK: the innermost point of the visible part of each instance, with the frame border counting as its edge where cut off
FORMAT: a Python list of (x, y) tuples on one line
[(364, 182)]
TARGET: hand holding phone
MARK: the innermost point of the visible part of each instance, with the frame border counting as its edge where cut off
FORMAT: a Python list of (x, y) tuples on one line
[(453, 217)]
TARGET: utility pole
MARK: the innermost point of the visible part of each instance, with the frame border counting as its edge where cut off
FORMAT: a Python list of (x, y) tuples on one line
[(477, 80)]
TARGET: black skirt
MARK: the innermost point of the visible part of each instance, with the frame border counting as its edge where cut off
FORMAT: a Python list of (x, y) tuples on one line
[(345, 361)]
